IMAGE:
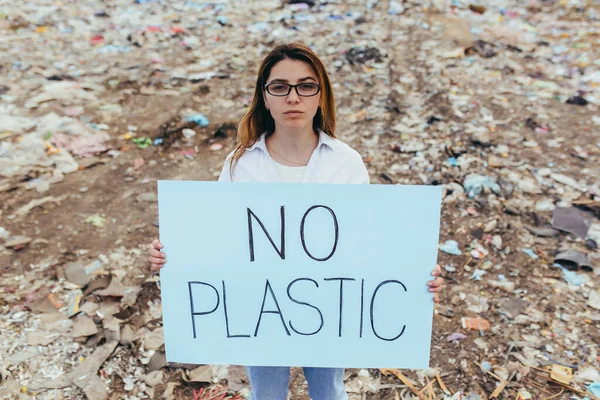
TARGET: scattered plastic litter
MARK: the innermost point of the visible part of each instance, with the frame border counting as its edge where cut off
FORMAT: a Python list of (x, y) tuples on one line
[(478, 324), (199, 119), (451, 247), (142, 142), (474, 184), (530, 253), (495, 102)]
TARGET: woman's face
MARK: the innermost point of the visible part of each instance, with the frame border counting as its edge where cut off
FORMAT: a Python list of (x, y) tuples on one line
[(292, 111)]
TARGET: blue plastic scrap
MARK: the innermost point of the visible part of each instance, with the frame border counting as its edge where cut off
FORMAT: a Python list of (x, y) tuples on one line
[(530, 253), (572, 277), (474, 185), (594, 388), (199, 119), (451, 247)]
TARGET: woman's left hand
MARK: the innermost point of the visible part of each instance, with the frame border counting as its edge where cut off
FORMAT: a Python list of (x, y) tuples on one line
[(436, 285)]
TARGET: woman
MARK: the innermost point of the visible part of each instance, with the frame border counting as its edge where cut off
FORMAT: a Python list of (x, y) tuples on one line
[(288, 135)]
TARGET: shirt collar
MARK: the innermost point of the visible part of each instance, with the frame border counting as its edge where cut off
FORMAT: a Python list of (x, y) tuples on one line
[(324, 139)]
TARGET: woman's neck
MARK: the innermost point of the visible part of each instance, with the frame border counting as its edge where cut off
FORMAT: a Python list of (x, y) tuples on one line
[(294, 141), (295, 146)]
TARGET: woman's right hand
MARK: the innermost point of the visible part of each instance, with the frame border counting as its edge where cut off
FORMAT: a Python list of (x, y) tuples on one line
[(156, 257)]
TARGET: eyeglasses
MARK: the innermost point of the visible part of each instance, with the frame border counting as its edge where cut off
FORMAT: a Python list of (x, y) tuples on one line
[(284, 89)]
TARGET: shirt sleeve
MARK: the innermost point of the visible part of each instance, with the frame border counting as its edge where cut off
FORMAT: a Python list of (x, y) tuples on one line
[(360, 173), (225, 175)]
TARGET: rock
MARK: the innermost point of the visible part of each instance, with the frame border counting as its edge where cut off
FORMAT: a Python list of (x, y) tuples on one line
[(80, 273), (50, 318), (504, 285), (127, 335), (98, 283), (594, 299), (108, 308), (41, 338), (24, 355), (84, 326), (587, 375), (155, 378), (565, 180), (158, 360), (542, 231), (237, 378), (201, 374), (169, 389), (452, 192), (115, 288), (497, 242), (129, 382), (154, 340), (481, 138), (11, 388), (85, 374), (42, 305), (112, 329), (17, 242), (89, 308), (545, 205), (512, 307), (528, 185), (412, 146), (149, 197), (490, 226), (60, 326)]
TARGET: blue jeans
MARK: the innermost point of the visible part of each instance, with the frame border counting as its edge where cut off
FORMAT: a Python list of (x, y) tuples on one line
[(271, 383)]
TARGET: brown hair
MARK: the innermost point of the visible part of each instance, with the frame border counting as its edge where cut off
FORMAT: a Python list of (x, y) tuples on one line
[(258, 119)]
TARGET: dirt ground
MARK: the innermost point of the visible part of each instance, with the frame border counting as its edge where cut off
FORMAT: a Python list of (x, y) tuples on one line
[(555, 313)]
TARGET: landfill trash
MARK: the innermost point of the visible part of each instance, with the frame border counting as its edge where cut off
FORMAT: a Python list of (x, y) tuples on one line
[(451, 247), (594, 388), (577, 100), (80, 146), (530, 253), (495, 102), (479, 252), (542, 231), (357, 55), (507, 286), (142, 142), (17, 242), (561, 374), (81, 273), (478, 274), (524, 394), (478, 324), (456, 337), (573, 277), (573, 259), (572, 220), (594, 299), (474, 185), (198, 119), (188, 133), (96, 220)]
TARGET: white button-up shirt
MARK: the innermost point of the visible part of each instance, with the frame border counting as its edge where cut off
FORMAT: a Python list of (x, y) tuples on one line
[(332, 161)]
